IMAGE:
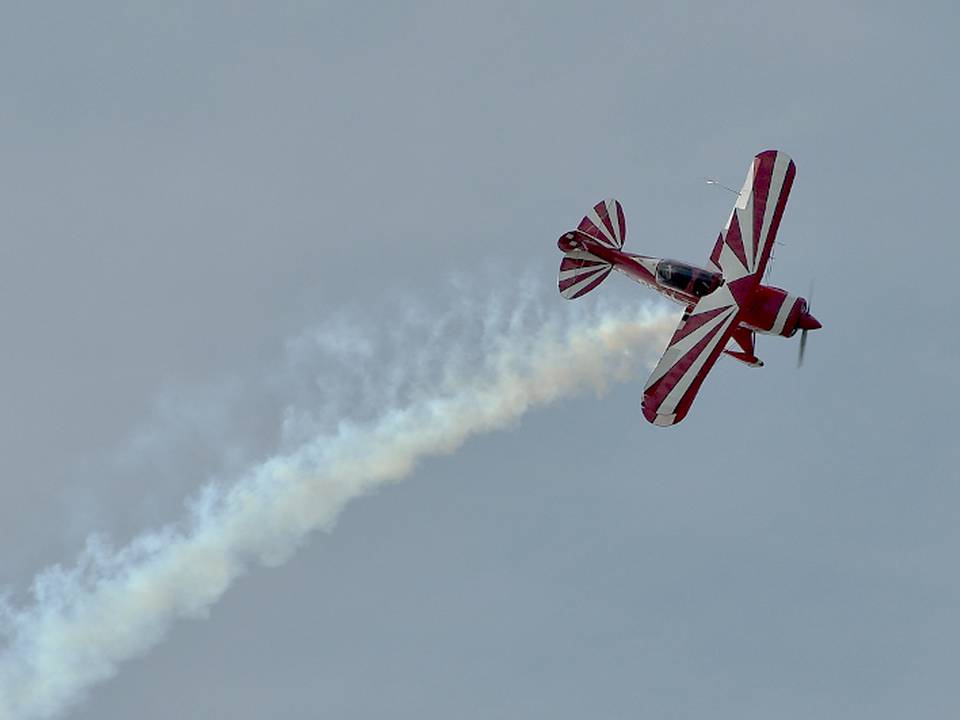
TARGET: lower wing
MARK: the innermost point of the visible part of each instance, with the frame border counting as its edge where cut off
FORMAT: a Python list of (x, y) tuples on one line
[(693, 349)]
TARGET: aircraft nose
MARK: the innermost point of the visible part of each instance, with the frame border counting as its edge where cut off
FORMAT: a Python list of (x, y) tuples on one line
[(808, 322)]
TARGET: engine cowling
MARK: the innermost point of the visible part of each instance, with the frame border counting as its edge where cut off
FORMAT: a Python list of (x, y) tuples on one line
[(774, 311)]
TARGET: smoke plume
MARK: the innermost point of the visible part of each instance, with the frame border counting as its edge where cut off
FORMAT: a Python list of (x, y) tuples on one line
[(440, 388)]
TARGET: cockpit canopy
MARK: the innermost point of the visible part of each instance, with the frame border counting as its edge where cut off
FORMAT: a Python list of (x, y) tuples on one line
[(687, 279)]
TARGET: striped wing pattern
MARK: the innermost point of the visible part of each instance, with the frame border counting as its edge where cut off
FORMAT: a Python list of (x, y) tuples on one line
[(693, 349), (745, 243), (605, 224), (741, 253), (581, 272)]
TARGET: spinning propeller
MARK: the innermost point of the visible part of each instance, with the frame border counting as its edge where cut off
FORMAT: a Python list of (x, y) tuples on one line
[(805, 323)]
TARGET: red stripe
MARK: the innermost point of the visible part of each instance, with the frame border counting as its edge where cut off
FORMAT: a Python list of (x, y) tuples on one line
[(577, 263), (778, 213), (601, 209), (571, 281), (591, 286), (610, 238), (696, 321), (683, 407), (735, 240), (741, 289), (622, 221), (656, 393), (586, 226), (717, 248), (743, 338), (762, 176)]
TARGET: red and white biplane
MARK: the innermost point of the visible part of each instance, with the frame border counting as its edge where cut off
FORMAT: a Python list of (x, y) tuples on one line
[(726, 302)]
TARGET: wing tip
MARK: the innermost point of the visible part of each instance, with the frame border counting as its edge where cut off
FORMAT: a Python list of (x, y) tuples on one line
[(662, 420), (775, 154)]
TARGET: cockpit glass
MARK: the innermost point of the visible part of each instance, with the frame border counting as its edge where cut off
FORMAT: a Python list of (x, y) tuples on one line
[(687, 278)]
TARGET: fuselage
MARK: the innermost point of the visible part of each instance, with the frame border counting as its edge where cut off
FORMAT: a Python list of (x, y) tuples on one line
[(767, 309)]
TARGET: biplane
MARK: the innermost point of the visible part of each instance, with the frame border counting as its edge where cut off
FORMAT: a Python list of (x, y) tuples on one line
[(724, 303)]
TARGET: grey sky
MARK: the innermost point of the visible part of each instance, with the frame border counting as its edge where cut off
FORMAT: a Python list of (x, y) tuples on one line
[(187, 189)]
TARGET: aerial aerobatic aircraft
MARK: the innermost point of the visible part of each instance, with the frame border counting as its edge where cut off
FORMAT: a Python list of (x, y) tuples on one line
[(726, 302)]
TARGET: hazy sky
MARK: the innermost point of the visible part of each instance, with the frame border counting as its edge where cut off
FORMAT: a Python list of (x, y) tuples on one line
[(189, 188)]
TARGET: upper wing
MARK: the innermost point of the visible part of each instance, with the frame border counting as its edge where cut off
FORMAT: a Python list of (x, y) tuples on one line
[(743, 248), (693, 349)]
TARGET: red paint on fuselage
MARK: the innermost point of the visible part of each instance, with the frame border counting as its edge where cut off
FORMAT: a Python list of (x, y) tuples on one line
[(760, 306), (631, 265)]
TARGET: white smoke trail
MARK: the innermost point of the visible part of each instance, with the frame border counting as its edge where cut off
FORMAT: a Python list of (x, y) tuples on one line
[(114, 604)]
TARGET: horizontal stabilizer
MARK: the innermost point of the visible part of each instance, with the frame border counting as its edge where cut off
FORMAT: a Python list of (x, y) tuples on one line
[(581, 272)]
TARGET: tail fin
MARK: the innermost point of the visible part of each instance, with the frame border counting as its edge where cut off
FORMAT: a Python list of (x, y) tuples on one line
[(605, 224), (580, 270)]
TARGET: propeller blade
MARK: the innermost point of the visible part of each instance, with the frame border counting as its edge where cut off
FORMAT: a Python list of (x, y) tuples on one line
[(803, 333)]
